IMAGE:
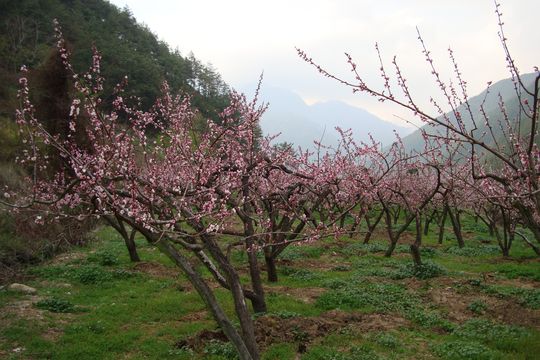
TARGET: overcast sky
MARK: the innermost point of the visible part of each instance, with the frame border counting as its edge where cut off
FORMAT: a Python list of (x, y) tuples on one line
[(242, 38)]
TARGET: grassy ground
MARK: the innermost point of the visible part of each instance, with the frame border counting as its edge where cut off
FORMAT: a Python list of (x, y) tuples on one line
[(337, 299)]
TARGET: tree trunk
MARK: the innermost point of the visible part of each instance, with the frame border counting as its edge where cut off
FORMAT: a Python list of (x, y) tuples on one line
[(391, 247), (130, 244), (456, 225), (429, 219), (442, 222), (245, 344), (271, 268), (396, 214), (415, 247), (371, 227), (535, 248), (354, 226), (118, 224)]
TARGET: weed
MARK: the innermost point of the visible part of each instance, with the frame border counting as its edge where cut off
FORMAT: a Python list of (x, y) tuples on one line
[(514, 271), (301, 252), (123, 274), (283, 351), (56, 305), (183, 351), (387, 340), (90, 274), (457, 350), (359, 248), (342, 268), (428, 319), (526, 297), (285, 314), (299, 335), (104, 258), (478, 307), (299, 274), (487, 331), (426, 270), (379, 297), (363, 352), (221, 349), (324, 353), (469, 251)]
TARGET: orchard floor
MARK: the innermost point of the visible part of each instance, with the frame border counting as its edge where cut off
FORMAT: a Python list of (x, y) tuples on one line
[(337, 299)]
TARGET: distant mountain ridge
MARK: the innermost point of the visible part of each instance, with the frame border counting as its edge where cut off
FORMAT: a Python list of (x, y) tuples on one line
[(504, 88), (301, 124)]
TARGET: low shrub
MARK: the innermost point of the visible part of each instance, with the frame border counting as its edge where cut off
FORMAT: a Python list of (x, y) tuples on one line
[(299, 274), (469, 251), (104, 258), (90, 274), (221, 349), (478, 307), (56, 305), (378, 297), (426, 270), (462, 350)]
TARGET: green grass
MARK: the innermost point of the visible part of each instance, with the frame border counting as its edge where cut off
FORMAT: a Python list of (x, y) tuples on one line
[(95, 304)]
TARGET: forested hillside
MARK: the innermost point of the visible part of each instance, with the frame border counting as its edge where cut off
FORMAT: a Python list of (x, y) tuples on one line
[(128, 49), (489, 100)]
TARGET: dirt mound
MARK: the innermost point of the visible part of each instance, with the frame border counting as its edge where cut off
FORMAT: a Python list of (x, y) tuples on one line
[(302, 330)]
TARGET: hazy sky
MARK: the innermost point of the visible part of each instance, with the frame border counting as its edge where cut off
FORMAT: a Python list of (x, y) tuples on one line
[(242, 38)]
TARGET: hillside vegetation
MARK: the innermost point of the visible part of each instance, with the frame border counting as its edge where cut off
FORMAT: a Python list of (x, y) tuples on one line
[(128, 49)]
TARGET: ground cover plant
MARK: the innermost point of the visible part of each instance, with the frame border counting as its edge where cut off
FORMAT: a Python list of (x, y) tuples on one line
[(318, 310)]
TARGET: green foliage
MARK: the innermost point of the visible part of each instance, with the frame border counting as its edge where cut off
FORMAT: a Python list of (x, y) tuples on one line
[(377, 297), (299, 274), (90, 275), (280, 352), (299, 252), (387, 340), (285, 314), (487, 331), (128, 48), (324, 353), (428, 319), (478, 307), (219, 349), (56, 305), (364, 352), (358, 248), (426, 270), (469, 251), (342, 268), (526, 297), (514, 271), (464, 350), (104, 258)]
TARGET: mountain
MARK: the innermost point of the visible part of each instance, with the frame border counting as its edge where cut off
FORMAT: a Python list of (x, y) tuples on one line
[(127, 48), (503, 88), (301, 124)]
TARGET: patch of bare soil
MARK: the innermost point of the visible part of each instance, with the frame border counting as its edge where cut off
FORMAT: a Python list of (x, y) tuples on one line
[(456, 303), (156, 270), (25, 309), (518, 282), (302, 330), (305, 330), (307, 295)]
